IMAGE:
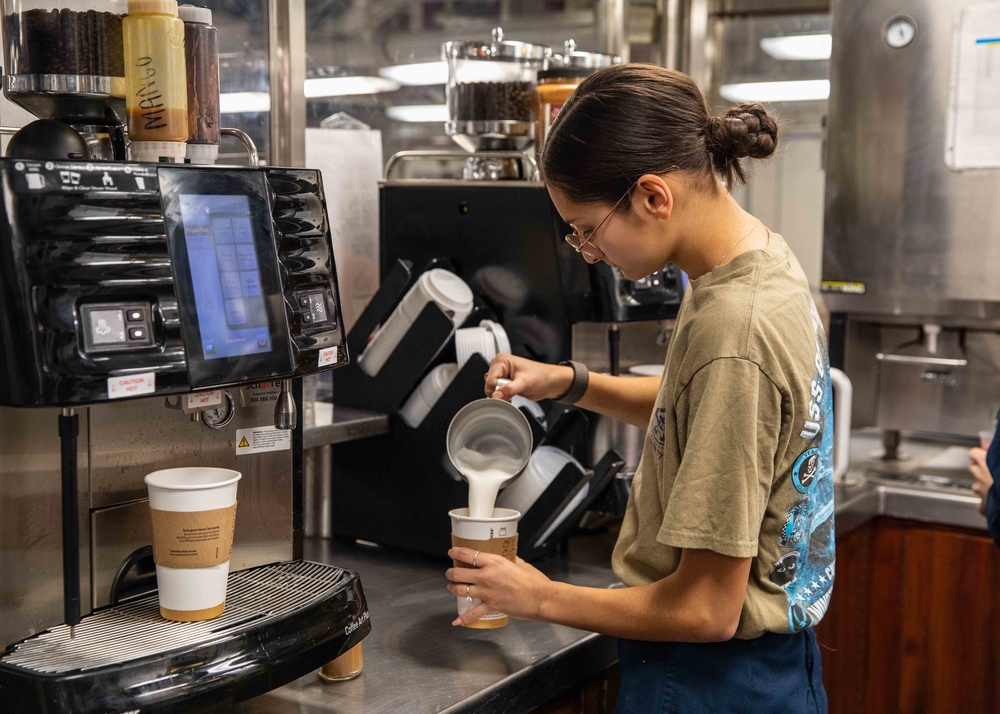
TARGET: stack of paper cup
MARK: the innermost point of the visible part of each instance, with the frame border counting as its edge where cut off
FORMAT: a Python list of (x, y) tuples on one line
[(425, 396), (438, 285), (194, 515), (545, 464), (488, 340)]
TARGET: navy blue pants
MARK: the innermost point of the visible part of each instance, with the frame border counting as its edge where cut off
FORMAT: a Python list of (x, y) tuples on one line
[(771, 673)]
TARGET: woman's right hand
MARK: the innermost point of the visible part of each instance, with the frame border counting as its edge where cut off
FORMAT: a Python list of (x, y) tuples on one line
[(532, 380)]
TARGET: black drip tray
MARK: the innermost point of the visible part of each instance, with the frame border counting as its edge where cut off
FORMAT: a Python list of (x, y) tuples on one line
[(281, 621)]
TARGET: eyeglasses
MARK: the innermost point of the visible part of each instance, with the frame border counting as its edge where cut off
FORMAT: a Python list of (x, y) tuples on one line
[(583, 244)]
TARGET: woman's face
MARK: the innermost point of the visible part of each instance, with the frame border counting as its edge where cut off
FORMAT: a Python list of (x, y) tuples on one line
[(623, 239)]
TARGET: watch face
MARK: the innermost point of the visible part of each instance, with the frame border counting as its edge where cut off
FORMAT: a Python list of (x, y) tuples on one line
[(900, 32)]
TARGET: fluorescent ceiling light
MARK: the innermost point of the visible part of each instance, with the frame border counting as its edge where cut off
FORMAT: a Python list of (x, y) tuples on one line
[(417, 74), (793, 91), (816, 46), (419, 113), (347, 86), (244, 102)]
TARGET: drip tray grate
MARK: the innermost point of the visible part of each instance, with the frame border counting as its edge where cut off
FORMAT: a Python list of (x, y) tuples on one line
[(134, 630)]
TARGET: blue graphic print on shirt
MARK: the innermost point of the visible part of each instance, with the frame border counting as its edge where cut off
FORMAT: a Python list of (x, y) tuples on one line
[(806, 570)]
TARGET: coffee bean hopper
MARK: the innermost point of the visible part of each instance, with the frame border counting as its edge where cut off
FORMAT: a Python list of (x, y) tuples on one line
[(490, 90), (64, 61), (153, 316)]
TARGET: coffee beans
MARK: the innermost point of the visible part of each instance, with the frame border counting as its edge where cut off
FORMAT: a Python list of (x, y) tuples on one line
[(493, 101), (65, 42)]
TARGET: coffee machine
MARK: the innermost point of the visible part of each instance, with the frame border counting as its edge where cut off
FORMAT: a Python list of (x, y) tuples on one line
[(155, 316)]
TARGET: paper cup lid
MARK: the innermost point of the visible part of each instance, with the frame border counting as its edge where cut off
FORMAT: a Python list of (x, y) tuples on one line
[(499, 335), (447, 289)]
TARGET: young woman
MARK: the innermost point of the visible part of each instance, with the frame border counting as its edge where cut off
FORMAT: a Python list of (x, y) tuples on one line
[(727, 545)]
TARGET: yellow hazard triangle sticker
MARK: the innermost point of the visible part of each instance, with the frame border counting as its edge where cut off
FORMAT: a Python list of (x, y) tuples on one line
[(244, 443)]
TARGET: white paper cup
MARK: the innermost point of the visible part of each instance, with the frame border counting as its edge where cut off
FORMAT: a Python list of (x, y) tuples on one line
[(474, 340), (499, 335), (488, 535), (193, 511), (425, 396), (544, 465), (438, 285)]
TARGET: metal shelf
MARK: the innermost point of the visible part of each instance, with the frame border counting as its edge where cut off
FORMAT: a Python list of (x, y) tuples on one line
[(336, 424)]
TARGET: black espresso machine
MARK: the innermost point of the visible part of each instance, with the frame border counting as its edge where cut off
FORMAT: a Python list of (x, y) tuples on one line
[(161, 315)]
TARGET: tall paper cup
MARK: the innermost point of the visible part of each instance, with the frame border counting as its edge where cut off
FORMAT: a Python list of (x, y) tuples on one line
[(487, 535), (194, 514), (438, 285)]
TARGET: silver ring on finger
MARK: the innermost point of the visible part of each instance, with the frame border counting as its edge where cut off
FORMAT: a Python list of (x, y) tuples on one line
[(468, 597), (474, 558)]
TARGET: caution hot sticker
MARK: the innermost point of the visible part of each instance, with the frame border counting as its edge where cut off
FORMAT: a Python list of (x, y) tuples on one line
[(261, 439)]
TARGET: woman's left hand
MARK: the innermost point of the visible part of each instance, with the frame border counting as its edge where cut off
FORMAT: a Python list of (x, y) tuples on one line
[(981, 475), (515, 589)]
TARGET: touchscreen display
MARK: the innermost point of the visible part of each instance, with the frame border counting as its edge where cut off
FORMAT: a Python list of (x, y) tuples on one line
[(225, 272)]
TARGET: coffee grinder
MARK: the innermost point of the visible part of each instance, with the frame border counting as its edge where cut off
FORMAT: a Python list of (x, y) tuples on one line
[(65, 62), (154, 316)]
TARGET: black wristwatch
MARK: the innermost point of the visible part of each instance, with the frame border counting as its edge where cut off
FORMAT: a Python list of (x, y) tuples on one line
[(578, 387)]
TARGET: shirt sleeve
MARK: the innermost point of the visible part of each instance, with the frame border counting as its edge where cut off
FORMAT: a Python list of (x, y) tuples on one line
[(729, 425)]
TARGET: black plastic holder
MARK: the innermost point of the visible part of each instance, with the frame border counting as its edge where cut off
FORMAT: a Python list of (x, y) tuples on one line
[(396, 489), (386, 390)]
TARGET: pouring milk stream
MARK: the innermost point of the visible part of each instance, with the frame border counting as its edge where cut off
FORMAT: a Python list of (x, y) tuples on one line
[(489, 443)]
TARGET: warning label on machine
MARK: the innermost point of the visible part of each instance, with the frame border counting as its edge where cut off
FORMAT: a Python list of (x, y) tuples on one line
[(261, 439)]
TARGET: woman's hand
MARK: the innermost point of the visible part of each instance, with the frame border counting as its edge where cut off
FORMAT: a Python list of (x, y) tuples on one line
[(515, 589), (530, 379), (981, 474)]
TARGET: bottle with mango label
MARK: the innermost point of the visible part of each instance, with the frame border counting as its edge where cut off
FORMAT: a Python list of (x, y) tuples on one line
[(155, 74)]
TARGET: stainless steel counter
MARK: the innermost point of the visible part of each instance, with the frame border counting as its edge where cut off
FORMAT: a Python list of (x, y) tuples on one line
[(415, 661)]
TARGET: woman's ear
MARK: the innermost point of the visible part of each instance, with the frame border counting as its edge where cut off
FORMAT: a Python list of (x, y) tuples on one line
[(656, 198)]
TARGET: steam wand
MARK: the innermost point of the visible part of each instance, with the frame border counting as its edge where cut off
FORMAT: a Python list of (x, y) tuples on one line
[(69, 429), (284, 409)]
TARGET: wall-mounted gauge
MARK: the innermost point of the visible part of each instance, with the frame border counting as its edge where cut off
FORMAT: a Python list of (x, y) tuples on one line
[(218, 416), (900, 31)]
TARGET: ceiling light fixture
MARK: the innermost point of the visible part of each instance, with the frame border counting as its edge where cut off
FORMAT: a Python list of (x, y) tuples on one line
[(418, 74), (816, 46), (317, 87), (244, 102), (791, 91), (419, 113)]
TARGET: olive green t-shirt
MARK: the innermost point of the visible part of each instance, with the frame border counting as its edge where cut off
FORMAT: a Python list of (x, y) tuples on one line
[(738, 455)]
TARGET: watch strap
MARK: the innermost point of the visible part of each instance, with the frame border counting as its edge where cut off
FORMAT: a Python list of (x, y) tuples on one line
[(578, 387)]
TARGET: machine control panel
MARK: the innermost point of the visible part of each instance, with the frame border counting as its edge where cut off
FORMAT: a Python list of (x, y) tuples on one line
[(188, 277), (115, 326), (312, 307)]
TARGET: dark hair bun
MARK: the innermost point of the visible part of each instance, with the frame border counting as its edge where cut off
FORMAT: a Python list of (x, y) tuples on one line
[(746, 130)]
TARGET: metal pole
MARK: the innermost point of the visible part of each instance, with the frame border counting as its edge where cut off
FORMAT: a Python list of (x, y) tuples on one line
[(671, 31), (287, 73), (615, 29)]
